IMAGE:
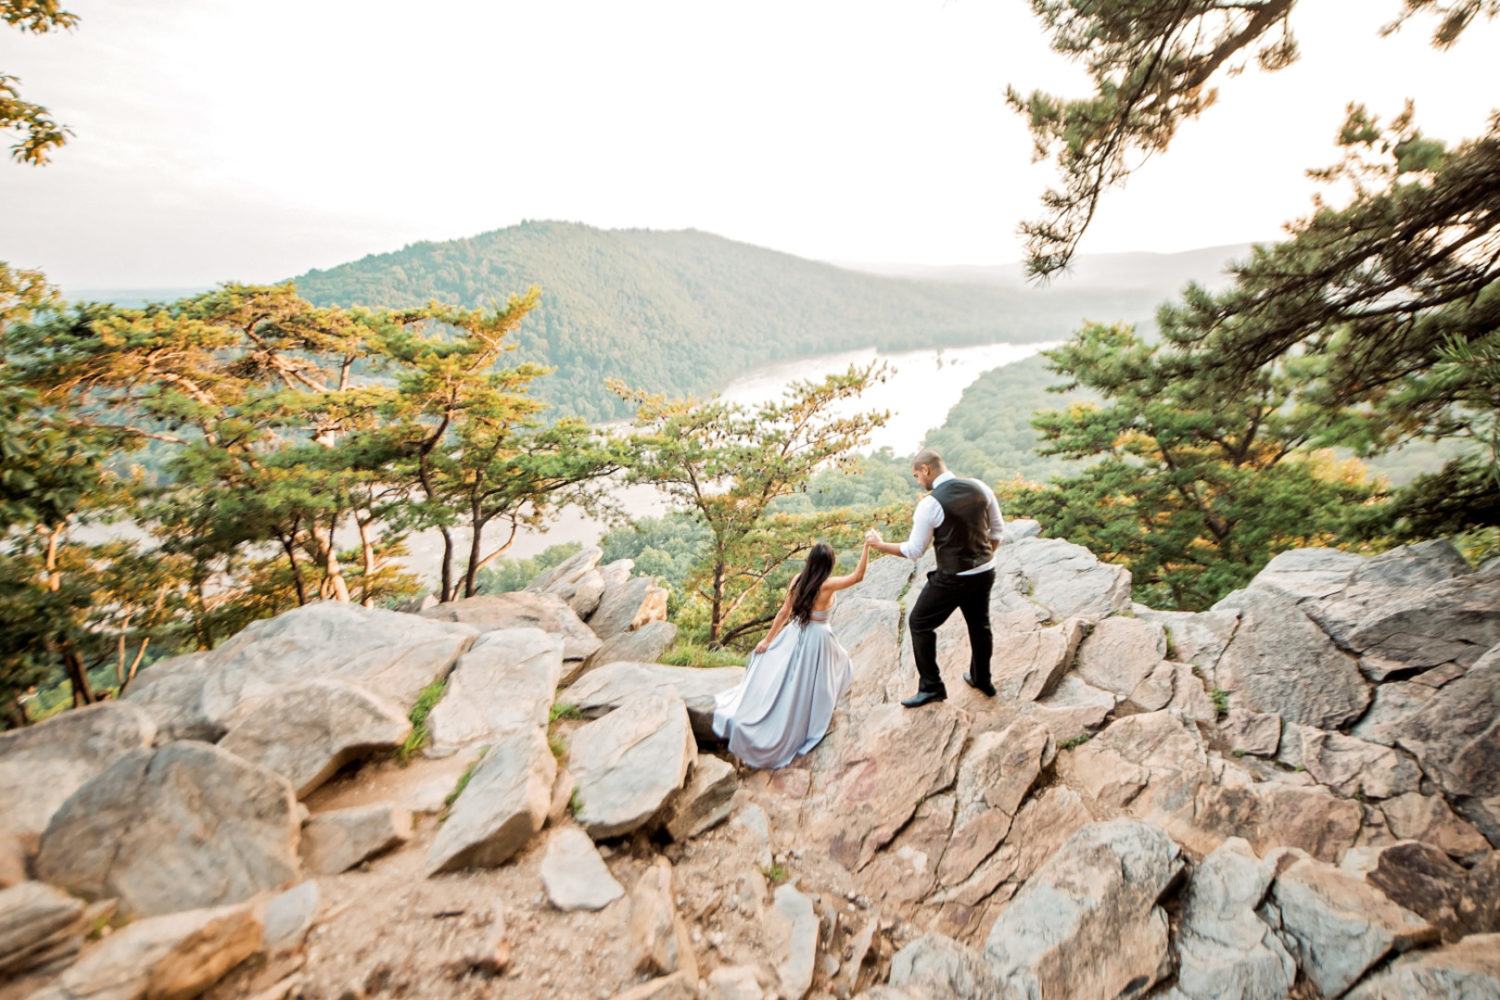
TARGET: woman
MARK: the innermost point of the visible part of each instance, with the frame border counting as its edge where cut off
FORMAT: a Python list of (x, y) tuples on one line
[(796, 676)]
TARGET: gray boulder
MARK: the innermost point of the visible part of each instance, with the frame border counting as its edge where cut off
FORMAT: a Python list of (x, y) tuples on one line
[(1337, 925), (503, 806), (658, 939), (937, 966), (704, 802), (1070, 580), (504, 683), (41, 765), (996, 773), (175, 956), (576, 580), (1087, 924), (643, 645), (1194, 637), (306, 732), (1225, 951), (1252, 732), (1354, 767), (1027, 665), (1467, 969), (792, 927), (607, 688), (1455, 735), (177, 828), (574, 874), (869, 628), (1305, 574), (628, 606), (1120, 653), (522, 609), (1280, 662), (337, 840), (391, 655), (629, 763)]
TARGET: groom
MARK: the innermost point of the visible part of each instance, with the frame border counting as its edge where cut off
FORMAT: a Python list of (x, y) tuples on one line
[(961, 518)]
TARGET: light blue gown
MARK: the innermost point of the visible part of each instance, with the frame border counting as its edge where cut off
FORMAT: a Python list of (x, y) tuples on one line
[(783, 706)]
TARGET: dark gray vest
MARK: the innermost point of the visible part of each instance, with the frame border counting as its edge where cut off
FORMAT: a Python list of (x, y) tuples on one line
[(962, 541)]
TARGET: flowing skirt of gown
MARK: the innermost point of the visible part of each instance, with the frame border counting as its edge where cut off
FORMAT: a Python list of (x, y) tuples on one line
[(784, 705)]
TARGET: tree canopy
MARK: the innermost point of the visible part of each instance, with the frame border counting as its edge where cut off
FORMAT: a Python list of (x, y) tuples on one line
[(38, 134)]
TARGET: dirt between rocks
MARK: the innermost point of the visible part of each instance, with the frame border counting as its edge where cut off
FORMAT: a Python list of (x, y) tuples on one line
[(383, 929)]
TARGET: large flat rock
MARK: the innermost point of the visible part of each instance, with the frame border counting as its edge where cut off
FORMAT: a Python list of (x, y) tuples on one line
[(41, 765), (1070, 580), (1469, 968), (181, 827), (504, 683), (607, 688), (503, 806), (629, 763)]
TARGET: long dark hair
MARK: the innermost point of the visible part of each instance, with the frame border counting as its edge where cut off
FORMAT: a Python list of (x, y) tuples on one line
[(805, 588)]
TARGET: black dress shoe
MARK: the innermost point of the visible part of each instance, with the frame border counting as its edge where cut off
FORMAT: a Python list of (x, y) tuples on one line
[(986, 688), (924, 697)]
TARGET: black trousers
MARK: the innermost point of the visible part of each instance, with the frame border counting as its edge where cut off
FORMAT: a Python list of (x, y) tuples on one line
[(944, 593)]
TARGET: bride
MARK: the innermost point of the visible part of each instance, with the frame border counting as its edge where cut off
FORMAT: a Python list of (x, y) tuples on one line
[(797, 674)]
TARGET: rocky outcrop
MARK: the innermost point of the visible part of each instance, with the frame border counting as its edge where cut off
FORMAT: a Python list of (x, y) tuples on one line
[(628, 605), (574, 874), (181, 827), (576, 580), (39, 926), (337, 840)]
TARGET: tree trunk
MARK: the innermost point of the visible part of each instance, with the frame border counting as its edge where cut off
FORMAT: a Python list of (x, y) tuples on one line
[(715, 621), (287, 545), (368, 548), (333, 575), (83, 692), (447, 566), (476, 552)]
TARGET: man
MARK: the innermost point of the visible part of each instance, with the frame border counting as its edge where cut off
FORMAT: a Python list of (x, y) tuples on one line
[(961, 519)]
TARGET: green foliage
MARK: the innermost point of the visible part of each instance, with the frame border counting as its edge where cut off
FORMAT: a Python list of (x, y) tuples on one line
[(775, 874), (685, 653), (1077, 741), (728, 465), (665, 547), (417, 739), (38, 132), (463, 779), (1193, 487), (557, 745), (575, 803), (562, 710), (1221, 701)]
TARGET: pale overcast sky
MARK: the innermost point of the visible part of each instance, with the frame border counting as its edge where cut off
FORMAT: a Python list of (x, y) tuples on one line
[(227, 140)]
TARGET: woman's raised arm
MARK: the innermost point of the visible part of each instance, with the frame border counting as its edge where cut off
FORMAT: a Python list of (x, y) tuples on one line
[(840, 582)]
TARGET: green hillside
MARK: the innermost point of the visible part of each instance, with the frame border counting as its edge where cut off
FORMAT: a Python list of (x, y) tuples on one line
[(683, 312)]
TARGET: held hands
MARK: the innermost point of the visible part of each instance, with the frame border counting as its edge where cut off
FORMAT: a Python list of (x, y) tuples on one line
[(872, 537)]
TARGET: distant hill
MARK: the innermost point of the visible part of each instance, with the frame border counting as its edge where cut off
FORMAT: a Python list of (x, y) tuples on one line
[(684, 311)]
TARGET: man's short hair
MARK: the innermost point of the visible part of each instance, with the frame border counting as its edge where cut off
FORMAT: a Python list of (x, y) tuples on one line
[(929, 458)]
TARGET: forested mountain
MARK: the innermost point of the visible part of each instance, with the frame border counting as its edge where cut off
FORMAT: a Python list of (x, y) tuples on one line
[(681, 312)]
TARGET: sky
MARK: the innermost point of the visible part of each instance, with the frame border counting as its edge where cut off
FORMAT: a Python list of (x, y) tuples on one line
[(220, 140)]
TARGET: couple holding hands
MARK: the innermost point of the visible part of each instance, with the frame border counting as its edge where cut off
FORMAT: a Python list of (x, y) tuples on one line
[(799, 671)]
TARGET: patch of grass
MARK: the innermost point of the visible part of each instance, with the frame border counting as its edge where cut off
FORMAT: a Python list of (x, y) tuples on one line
[(1240, 753), (1221, 701), (562, 710), (1171, 643), (575, 803), (1077, 741), (776, 874), (557, 745), (685, 653), (1299, 768), (463, 779), (417, 738)]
